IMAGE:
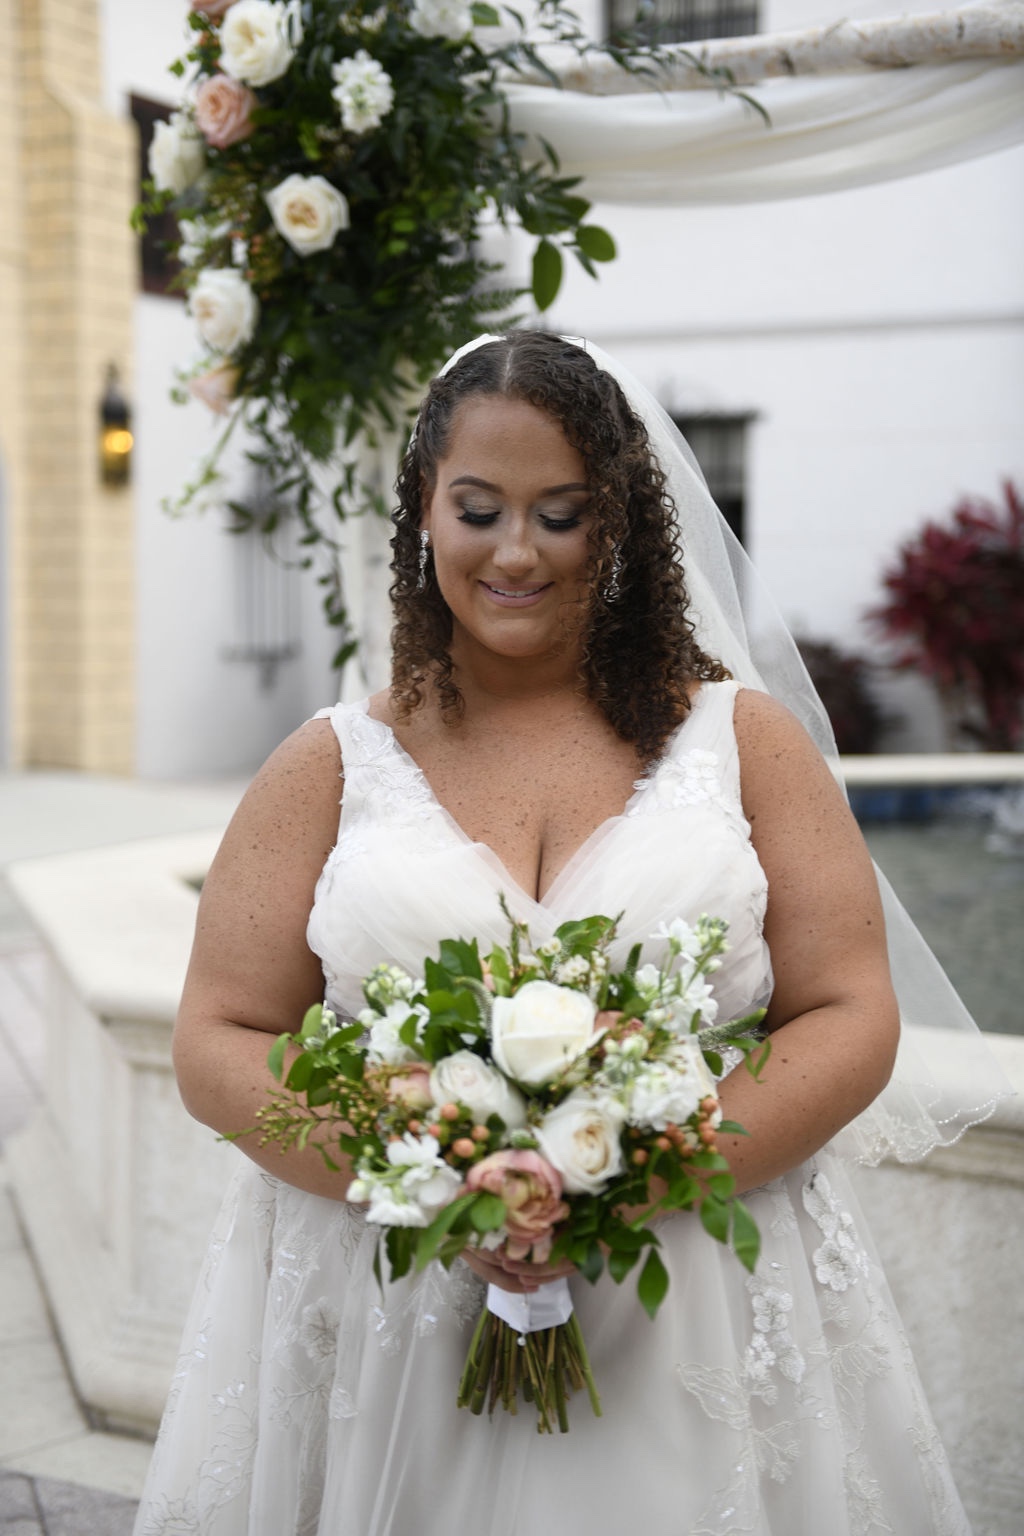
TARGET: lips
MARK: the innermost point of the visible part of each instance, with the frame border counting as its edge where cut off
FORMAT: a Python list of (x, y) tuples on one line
[(515, 596)]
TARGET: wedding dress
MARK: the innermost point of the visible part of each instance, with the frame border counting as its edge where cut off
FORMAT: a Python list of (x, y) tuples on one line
[(783, 1403)]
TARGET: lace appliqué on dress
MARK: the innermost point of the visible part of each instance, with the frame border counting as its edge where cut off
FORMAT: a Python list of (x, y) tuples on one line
[(691, 779)]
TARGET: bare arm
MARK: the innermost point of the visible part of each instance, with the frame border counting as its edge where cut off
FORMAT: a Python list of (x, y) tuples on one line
[(252, 974), (833, 1015)]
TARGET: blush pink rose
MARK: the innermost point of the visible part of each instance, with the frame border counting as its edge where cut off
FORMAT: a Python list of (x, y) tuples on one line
[(214, 9), (531, 1190), (410, 1086), (216, 388), (223, 108)]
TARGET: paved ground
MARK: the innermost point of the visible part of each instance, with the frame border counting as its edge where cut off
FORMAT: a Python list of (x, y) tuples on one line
[(60, 1475)]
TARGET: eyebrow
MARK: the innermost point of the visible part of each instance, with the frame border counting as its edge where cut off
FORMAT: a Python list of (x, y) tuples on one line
[(487, 485)]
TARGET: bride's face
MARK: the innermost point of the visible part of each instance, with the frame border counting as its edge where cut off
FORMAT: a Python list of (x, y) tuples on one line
[(508, 521)]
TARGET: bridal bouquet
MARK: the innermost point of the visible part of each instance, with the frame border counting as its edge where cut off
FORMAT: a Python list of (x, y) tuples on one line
[(536, 1100)]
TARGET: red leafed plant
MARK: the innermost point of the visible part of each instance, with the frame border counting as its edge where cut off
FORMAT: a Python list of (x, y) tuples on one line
[(956, 610)]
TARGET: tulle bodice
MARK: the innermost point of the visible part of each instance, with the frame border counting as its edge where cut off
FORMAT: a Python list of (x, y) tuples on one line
[(680, 847)]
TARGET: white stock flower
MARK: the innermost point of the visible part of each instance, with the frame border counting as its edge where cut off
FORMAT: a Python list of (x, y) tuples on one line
[(177, 155), (224, 308), (668, 1092), (308, 211), (442, 18), (580, 1138), (256, 41), (363, 91), (427, 1179), (462, 1077), (385, 1045), (540, 1030), (576, 968)]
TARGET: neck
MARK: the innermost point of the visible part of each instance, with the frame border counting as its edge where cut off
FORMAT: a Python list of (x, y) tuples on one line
[(486, 680)]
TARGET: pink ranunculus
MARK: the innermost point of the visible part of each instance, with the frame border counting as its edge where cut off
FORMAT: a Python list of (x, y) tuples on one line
[(216, 388), (531, 1190), (223, 108), (410, 1086), (214, 9)]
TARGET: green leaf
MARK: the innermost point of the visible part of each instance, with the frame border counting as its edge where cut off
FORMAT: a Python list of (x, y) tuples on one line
[(746, 1239), (429, 1239), (485, 15), (311, 1021), (547, 274), (595, 242), (652, 1286), (487, 1213), (715, 1217), (732, 1128), (300, 1073), (275, 1059), (620, 1263)]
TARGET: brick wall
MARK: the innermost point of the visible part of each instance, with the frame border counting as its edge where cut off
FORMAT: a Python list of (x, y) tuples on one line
[(70, 277)]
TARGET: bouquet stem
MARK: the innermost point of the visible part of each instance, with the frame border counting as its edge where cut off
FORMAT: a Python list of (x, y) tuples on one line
[(543, 1364)]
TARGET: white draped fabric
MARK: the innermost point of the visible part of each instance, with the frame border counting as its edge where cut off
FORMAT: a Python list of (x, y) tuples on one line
[(826, 134)]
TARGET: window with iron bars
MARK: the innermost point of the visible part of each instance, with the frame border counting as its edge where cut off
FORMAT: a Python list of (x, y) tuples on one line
[(719, 445), (679, 21)]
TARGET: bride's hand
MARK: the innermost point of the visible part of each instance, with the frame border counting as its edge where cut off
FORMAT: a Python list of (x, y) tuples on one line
[(519, 1275)]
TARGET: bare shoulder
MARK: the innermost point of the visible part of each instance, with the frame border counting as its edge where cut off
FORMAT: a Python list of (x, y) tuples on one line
[(777, 756), (292, 805)]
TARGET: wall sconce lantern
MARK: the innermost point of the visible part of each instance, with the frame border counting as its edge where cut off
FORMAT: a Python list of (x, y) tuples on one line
[(115, 433)]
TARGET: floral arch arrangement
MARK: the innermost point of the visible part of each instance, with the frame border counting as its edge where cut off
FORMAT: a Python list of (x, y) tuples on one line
[(333, 168)]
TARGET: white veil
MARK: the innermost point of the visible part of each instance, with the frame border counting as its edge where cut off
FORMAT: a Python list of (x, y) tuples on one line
[(945, 1078)]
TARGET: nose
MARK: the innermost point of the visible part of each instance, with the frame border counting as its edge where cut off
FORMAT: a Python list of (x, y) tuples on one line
[(516, 550)]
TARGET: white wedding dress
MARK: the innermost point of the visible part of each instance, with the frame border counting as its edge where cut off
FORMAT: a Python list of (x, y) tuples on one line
[(782, 1404)]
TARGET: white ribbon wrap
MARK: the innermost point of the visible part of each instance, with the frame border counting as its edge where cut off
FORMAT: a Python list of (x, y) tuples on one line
[(547, 1307)]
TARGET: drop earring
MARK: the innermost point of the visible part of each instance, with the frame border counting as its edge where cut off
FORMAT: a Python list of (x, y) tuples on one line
[(611, 586), (424, 549)]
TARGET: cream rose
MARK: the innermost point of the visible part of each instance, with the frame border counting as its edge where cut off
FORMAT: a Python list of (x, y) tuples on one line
[(465, 1079), (225, 309), (176, 155), (223, 108), (254, 42), (541, 1030), (580, 1138), (308, 211)]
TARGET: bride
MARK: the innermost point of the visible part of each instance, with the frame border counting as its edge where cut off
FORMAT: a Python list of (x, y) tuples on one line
[(567, 727)]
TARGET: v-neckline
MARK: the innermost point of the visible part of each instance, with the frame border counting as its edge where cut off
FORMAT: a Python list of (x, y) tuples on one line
[(544, 902)]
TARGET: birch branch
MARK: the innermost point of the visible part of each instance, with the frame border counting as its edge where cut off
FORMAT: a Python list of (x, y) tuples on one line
[(992, 31)]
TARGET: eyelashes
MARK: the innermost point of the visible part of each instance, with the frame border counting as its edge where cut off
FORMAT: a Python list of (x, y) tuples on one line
[(553, 524)]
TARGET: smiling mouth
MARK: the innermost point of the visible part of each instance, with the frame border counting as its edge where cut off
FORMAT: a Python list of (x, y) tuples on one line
[(516, 591)]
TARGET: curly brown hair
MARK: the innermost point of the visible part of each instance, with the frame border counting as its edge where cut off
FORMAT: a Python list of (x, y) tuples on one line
[(639, 652)]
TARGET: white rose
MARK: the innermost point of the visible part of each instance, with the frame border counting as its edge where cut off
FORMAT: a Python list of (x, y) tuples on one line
[(363, 91), (308, 212), (581, 1139), (540, 1030), (255, 44), (464, 1078), (224, 307), (442, 18), (176, 155)]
